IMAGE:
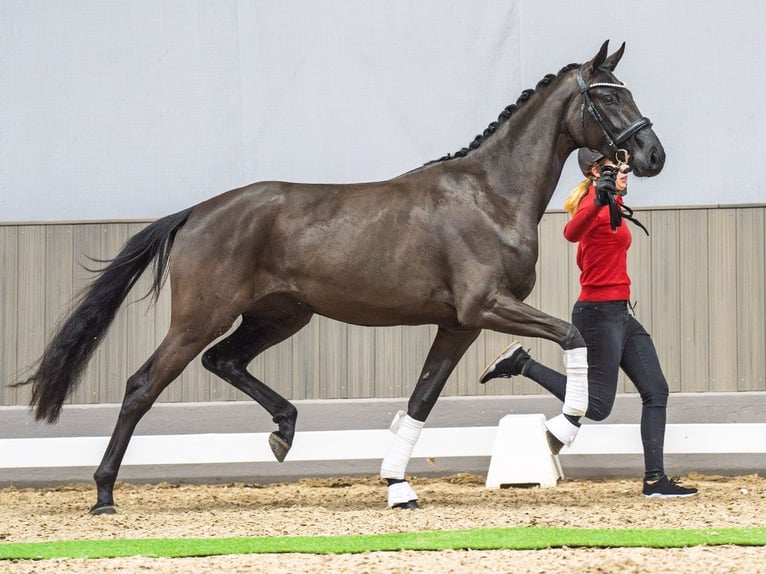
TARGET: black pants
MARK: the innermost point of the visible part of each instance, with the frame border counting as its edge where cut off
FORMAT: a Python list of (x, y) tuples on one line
[(615, 340)]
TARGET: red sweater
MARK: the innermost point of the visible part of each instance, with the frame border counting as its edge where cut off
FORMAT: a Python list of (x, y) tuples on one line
[(602, 255)]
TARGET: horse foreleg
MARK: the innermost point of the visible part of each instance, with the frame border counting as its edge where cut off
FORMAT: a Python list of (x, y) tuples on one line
[(515, 317), (229, 359), (447, 349), (142, 390)]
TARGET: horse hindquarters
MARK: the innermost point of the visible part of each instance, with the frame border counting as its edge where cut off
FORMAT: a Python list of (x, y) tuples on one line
[(199, 316)]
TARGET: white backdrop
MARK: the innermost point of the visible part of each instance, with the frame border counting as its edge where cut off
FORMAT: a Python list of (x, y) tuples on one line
[(113, 110)]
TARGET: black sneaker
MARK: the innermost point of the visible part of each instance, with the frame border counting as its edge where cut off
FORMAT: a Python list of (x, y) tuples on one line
[(508, 363), (666, 487)]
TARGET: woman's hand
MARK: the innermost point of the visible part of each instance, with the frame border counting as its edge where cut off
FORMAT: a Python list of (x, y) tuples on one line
[(605, 185)]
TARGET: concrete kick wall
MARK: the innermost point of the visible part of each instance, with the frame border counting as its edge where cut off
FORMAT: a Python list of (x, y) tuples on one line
[(317, 415)]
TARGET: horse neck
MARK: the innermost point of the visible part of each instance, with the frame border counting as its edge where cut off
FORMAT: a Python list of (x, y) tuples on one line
[(525, 159)]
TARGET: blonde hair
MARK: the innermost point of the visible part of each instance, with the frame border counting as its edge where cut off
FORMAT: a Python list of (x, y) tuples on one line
[(572, 202)]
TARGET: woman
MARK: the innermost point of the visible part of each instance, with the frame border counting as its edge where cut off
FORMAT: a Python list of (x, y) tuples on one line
[(602, 313)]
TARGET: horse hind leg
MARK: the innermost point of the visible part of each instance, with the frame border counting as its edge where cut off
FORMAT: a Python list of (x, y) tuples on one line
[(229, 360), (179, 347)]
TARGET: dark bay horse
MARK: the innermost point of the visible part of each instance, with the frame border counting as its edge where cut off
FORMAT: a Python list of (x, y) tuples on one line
[(452, 243)]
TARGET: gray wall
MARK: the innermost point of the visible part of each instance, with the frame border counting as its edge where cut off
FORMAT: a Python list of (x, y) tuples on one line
[(124, 110)]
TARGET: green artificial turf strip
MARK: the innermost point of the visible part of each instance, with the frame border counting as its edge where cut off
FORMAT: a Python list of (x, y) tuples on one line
[(520, 538)]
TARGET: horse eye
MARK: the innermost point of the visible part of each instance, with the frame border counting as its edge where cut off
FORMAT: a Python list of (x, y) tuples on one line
[(608, 99)]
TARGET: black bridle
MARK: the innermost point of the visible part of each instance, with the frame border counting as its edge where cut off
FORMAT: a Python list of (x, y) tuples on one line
[(612, 140), (617, 212)]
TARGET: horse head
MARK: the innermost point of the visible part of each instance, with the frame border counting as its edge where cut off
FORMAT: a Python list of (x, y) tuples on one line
[(606, 118)]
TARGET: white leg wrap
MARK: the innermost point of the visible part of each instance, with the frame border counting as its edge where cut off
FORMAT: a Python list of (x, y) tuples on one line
[(406, 431), (576, 396), (560, 427), (400, 493)]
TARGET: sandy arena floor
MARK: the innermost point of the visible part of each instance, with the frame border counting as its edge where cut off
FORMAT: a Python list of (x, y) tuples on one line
[(357, 506)]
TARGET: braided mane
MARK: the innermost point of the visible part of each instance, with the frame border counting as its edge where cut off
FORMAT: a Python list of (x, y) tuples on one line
[(505, 115)]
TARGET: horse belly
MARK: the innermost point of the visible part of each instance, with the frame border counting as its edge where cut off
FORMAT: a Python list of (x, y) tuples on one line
[(385, 314), (350, 295)]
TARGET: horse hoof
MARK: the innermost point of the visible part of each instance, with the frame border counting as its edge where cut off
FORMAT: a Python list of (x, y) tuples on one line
[(279, 446), (409, 505), (100, 509), (554, 444)]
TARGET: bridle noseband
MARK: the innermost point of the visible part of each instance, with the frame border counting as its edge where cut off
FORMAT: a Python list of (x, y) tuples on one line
[(613, 141)]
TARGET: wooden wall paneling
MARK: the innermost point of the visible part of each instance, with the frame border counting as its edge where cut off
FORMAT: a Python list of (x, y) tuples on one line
[(331, 359), (87, 244), (666, 297), (30, 300), (111, 386), (58, 294), (699, 283), (751, 299), (694, 300), (722, 287), (361, 362), (388, 372), (302, 362), (311, 371), (465, 375), (10, 370)]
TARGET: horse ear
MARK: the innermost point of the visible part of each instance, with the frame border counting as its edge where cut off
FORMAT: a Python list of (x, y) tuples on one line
[(611, 62), (600, 57)]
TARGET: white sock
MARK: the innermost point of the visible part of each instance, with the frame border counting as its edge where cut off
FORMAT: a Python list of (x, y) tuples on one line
[(400, 493), (576, 395), (406, 431), (562, 428)]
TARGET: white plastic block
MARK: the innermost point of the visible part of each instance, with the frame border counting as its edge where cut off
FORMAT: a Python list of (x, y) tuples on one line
[(521, 454)]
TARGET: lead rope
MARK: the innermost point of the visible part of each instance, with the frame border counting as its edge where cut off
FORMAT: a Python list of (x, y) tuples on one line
[(627, 213)]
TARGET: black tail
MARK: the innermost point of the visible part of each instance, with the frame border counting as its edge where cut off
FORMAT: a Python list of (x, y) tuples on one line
[(66, 356)]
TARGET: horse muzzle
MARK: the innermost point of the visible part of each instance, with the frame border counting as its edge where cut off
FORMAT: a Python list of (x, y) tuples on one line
[(647, 156)]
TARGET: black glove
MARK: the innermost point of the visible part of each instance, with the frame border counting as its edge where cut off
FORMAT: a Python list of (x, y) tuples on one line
[(605, 188)]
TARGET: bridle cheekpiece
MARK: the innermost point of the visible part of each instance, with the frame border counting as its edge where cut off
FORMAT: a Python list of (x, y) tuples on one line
[(612, 140)]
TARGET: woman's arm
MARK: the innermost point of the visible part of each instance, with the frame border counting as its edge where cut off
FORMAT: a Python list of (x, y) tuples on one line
[(583, 219)]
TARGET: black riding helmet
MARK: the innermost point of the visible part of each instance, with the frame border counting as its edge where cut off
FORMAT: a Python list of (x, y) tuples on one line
[(586, 158)]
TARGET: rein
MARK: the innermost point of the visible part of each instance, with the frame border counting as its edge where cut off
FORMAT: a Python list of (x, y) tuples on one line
[(587, 103), (619, 212)]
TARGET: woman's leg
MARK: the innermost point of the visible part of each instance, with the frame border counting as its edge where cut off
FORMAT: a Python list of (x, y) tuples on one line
[(602, 326), (641, 364)]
